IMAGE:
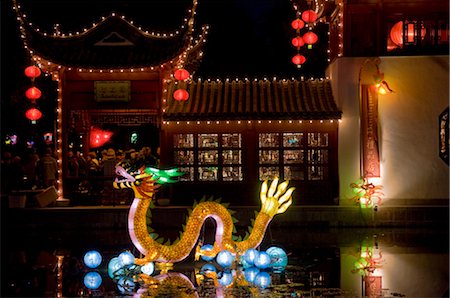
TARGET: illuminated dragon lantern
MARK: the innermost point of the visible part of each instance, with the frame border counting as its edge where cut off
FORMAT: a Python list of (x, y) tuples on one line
[(144, 183)]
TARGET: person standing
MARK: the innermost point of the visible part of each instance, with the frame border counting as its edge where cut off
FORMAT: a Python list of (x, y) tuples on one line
[(48, 169)]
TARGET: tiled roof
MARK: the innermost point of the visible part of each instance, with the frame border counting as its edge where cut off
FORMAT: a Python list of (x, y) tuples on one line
[(113, 43), (244, 99)]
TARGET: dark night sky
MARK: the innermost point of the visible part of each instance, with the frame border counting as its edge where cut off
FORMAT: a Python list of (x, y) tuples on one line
[(247, 38)]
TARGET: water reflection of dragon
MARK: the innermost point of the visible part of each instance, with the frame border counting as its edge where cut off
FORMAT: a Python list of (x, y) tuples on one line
[(275, 199)]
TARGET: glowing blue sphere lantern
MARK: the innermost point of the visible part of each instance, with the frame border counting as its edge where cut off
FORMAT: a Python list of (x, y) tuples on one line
[(92, 280), (113, 267), (207, 247), (225, 258), (92, 259), (278, 258), (262, 280), (262, 260), (250, 274), (126, 258), (250, 255)]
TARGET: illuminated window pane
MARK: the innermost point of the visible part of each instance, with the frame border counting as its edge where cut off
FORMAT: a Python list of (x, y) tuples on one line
[(183, 140), (317, 173), (232, 174), (208, 156), (232, 140), (268, 140), (208, 140), (184, 157), (294, 173), (188, 173), (268, 173), (317, 139), (207, 173), (292, 139), (317, 156), (269, 156), (231, 156), (293, 156)]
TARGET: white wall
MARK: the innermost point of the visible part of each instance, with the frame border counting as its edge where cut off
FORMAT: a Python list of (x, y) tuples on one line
[(411, 168)]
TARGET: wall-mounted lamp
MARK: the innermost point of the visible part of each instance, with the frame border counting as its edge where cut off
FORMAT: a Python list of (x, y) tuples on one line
[(383, 88)]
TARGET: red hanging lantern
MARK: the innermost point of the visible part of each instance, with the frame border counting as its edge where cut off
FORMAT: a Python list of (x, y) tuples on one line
[(181, 95), (181, 74), (32, 71), (298, 60), (33, 93), (33, 114), (297, 24), (297, 42), (310, 38), (309, 16)]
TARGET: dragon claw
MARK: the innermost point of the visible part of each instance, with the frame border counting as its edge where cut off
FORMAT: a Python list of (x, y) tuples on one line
[(277, 198)]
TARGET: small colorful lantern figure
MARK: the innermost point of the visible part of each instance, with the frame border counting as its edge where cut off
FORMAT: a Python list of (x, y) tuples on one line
[(92, 280), (32, 72), (181, 95), (298, 60), (181, 74), (297, 24), (309, 16), (33, 93), (92, 259), (33, 114), (310, 38)]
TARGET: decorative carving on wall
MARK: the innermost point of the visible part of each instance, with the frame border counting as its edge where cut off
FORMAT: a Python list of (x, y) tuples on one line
[(444, 138)]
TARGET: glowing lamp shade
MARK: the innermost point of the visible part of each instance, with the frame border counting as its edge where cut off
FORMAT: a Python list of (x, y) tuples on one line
[(226, 279), (396, 34), (92, 280), (250, 274), (98, 137), (181, 95), (250, 255), (309, 16), (207, 247), (298, 60), (92, 259), (126, 258), (33, 114), (148, 268), (125, 284), (262, 260), (32, 71), (225, 258), (181, 74), (33, 93), (297, 42), (278, 258), (310, 38), (297, 24), (113, 267), (262, 280)]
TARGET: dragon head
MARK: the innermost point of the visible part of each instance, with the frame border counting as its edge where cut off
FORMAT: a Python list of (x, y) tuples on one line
[(143, 181)]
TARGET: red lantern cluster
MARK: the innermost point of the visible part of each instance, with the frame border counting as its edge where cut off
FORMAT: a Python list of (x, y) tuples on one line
[(99, 137), (33, 93), (309, 17), (181, 94)]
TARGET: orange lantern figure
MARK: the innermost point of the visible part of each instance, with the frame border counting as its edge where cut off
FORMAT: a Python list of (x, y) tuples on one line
[(181, 95), (310, 38), (298, 60), (181, 74), (32, 71), (297, 42), (33, 114), (297, 24), (309, 16), (33, 93)]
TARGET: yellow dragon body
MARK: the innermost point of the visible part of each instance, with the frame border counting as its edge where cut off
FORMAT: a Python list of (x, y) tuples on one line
[(275, 200)]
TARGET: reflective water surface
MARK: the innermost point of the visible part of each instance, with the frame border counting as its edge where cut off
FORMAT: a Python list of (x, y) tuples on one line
[(321, 263)]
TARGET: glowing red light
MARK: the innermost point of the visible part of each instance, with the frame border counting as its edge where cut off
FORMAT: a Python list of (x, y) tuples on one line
[(33, 93), (181, 74), (32, 72), (297, 24), (310, 37), (181, 94), (309, 16), (298, 59), (33, 114), (297, 42)]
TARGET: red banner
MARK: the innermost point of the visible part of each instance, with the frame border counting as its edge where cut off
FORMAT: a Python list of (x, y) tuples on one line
[(369, 132)]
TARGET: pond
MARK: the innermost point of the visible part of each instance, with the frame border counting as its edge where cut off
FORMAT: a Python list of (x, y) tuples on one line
[(351, 262)]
